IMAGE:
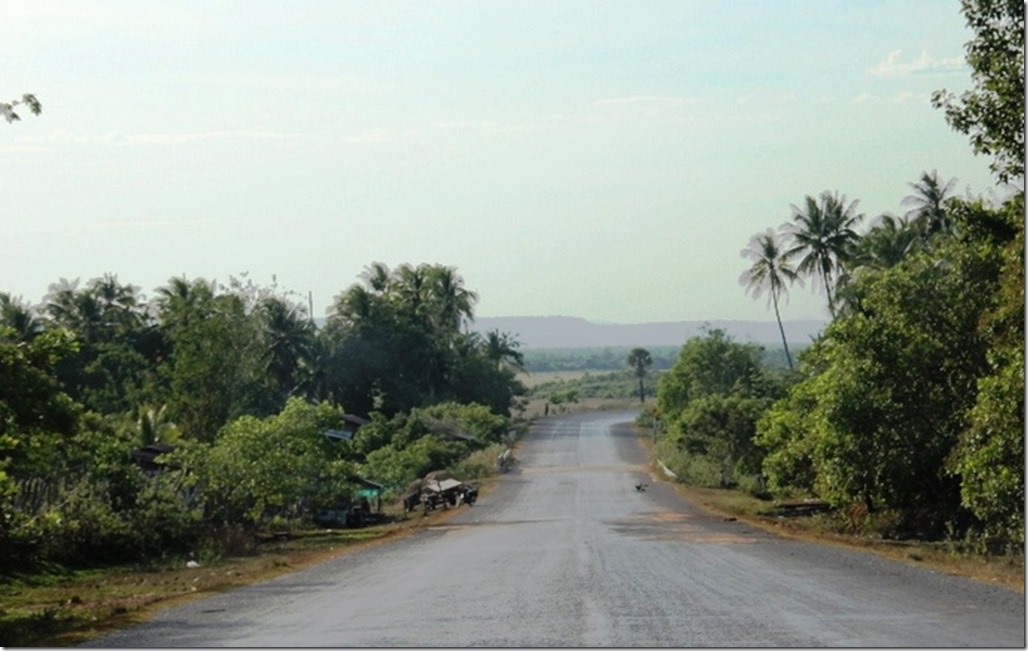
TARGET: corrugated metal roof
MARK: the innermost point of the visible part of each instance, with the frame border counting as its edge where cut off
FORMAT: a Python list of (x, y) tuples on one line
[(443, 484)]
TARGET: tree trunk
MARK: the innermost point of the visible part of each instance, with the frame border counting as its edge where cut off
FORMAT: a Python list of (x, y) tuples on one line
[(828, 290), (781, 329)]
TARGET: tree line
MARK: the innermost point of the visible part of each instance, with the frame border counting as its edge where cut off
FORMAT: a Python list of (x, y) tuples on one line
[(908, 411), (239, 382), (591, 358)]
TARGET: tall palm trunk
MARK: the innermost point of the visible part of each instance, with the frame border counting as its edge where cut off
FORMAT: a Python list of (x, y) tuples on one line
[(781, 329), (828, 290)]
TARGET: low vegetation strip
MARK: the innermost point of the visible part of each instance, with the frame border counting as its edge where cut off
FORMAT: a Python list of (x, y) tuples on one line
[(816, 521), (61, 607)]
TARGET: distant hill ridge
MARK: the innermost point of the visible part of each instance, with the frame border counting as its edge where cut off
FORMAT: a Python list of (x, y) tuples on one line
[(575, 332)]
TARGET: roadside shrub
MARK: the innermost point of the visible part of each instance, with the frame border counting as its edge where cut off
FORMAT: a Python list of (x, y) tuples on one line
[(396, 468), (86, 528), (479, 464), (752, 484), (164, 521), (689, 468), (473, 419), (230, 539)]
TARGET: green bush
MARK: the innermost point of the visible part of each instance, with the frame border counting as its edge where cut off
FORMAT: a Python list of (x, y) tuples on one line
[(479, 464), (277, 466), (689, 468), (395, 468)]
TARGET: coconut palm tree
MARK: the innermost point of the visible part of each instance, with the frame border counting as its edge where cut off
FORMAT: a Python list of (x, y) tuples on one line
[(410, 290), (500, 348), (640, 359), (929, 203), (453, 303), (376, 277), (289, 337), (886, 244), (76, 309), (59, 302), (119, 304), (17, 314), (357, 307), (771, 270), (823, 234), (177, 300)]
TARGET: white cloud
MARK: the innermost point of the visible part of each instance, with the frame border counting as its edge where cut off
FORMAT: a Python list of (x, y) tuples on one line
[(892, 66), (378, 135), (907, 97), (633, 106), (901, 97), (490, 126), (652, 101), (183, 138), (23, 149), (63, 136), (115, 226)]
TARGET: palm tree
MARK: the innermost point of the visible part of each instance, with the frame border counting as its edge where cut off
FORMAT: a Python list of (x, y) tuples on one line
[(376, 277), (771, 270), (822, 232), (889, 241), (177, 300), (119, 305), (76, 309), (411, 291), (929, 203), (289, 337), (454, 305), (640, 359), (154, 426), (357, 307), (16, 314), (59, 302), (501, 348)]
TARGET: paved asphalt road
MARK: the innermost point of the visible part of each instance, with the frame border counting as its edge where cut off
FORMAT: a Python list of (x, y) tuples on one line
[(565, 552)]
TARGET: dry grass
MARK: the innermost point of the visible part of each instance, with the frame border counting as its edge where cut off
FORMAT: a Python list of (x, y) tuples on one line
[(536, 407), (532, 380)]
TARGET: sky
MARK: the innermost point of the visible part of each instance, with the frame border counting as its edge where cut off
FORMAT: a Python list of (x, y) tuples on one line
[(602, 159)]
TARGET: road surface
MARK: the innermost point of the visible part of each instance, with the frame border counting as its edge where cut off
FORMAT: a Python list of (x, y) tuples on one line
[(566, 552)]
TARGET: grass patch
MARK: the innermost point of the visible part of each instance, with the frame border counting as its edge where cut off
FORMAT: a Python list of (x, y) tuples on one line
[(536, 378)]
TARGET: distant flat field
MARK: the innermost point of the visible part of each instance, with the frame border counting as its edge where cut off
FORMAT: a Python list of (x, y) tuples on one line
[(531, 380)]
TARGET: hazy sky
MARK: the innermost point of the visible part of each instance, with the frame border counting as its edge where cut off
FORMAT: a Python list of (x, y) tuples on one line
[(607, 160)]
